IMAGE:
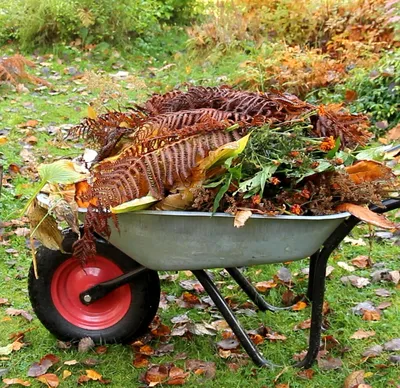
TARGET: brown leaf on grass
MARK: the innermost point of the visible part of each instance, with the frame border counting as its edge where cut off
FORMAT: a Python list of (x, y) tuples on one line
[(383, 305), (361, 261), (50, 379), (146, 350), (192, 285), (4, 302), (330, 363), (364, 214), (199, 367), (29, 123), (241, 217), (140, 361), (356, 281), (284, 275), (161, 331), (306, 374), (371, 315), (101, 349), (275, 337), (265, 285), (16, 382), (13, 312), (299, 306), (31, 140), (85, 344), (93, 375), (303, 325), (392, 345), (41, 367), (383, 292), (90, 361), (156, 375), (373, 351), (361, 334), (368, 171), (354, 379), (350, 95), (177, 376)]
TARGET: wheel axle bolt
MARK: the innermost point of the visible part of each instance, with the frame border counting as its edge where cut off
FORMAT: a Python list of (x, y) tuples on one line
[(87, 298)]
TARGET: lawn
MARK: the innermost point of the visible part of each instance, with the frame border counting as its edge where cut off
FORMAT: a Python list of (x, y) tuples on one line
[(33, 126)]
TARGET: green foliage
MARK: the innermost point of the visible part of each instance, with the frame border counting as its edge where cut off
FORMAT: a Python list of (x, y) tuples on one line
[(44, 22)]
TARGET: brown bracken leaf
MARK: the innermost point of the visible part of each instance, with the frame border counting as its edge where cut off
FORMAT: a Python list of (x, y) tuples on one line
[(364, 214)]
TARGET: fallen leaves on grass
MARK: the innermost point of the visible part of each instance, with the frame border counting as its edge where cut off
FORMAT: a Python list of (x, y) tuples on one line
[(361, 261), (373, 351), (85, 344), (371, 315), (355, 379), (14, 312), (356, 281), (361, 334), (41, 367), (330, 363), (16, 382), (203, 368), (166, 374), (92, 375), (392, 345), (50, 379), (346, 266), (265, 285), (299, 306)]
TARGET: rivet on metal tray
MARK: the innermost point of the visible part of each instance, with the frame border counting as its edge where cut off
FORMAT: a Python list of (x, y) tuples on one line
[(87, 298)]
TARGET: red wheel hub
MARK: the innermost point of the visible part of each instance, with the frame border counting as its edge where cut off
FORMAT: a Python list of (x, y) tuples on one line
[(72, 277)]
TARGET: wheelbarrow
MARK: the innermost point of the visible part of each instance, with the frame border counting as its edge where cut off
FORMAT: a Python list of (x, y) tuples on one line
[(114, 296)]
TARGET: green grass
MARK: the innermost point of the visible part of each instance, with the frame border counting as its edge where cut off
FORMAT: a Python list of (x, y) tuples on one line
[(69, 106)]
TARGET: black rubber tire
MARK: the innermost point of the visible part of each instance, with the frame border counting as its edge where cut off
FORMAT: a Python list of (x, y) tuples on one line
[(145, 291)]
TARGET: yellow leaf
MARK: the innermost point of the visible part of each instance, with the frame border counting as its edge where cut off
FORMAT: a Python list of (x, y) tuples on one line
[(134, 205), (3, 140), (228, 150), (299, 306), (66, 374), (50, 379), (91, 113), (93, 375)]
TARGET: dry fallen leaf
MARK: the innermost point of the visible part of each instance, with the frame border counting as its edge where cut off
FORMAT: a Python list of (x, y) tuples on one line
[(85, 344), (392, 345), (346, 266), (361, 334), (16, 382), (371, 315), (364, 214), (354, 379), (299, 306), (330, 363), (241, 217), (361, 261), (50, 379), (265, 285), (355, 281), (66, 374), (373, 351), (205, 368)]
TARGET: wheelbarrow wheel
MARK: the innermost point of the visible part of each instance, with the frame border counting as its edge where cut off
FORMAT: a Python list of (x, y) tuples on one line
[(120, 316)]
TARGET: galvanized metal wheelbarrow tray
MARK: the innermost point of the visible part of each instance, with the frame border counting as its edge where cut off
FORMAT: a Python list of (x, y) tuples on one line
[(195, 241)]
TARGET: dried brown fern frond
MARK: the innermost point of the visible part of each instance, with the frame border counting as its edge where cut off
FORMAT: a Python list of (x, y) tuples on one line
[(130, 176), (12, 70), (275, 108)]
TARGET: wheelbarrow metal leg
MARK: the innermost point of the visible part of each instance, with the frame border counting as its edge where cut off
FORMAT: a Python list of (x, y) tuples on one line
[(252, 292), (230, 318), (318, 288), (310, 287)]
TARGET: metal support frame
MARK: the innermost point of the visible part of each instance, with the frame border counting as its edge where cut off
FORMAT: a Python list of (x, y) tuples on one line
[(100, 290), (315, 292)]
